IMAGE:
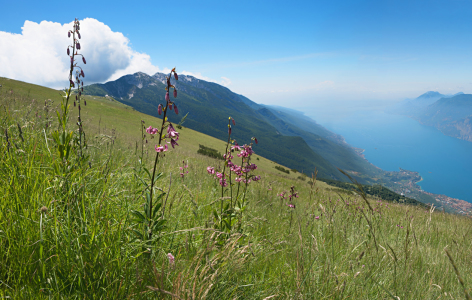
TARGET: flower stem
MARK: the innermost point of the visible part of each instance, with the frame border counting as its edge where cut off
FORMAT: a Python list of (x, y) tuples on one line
[(157, 159)]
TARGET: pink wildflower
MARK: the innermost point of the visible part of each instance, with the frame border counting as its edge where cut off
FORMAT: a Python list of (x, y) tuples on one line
[(161, 148), (167, 97), (171, 258), (211, 170), (171, 132), (151, 130), (223, 182), (219, 175), (236, 147), (173, 143)]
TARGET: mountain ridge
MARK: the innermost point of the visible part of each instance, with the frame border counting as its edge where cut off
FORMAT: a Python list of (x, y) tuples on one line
[(326, 150), (209, 106), (451, 114)]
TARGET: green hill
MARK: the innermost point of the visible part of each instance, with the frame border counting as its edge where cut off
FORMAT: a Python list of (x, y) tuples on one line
[(210, 104)]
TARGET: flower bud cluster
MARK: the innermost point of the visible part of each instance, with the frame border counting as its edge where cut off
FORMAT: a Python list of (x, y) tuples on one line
[(290, 195), (79, 72), (243, 171), (169, 104), (172, 136), (183, 169)]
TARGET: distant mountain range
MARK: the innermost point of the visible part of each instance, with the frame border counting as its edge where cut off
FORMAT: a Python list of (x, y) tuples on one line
[(285, 136), (451, 114)]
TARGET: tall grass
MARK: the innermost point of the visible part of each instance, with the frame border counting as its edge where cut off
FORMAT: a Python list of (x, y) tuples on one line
[(71, 234), (56, 243)]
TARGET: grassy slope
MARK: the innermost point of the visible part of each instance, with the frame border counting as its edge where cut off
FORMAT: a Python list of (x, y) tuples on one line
[(105, 114), (209, 108), (286, 254)]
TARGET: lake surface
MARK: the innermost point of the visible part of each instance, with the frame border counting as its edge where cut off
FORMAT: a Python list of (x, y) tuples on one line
[(393, 141)]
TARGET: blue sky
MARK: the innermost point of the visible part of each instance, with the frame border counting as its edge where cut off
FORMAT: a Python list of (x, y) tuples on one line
[(292, 53)]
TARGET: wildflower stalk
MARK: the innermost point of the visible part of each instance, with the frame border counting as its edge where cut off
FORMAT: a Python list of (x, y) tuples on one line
[(161, 134), (227, 155), (142, 139), (64, 139)]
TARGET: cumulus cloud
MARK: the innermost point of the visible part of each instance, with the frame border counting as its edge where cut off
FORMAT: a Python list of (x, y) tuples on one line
[(38, 54)]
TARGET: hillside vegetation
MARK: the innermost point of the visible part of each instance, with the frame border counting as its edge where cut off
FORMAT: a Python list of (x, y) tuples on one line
[(74, 236)]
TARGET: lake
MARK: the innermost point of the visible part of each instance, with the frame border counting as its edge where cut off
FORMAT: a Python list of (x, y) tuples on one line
[(393, 141)]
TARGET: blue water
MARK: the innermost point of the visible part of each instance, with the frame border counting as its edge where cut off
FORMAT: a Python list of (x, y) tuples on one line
[(393, 141)]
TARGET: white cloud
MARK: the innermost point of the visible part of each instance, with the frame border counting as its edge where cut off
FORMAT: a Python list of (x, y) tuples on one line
[(38, 54), (224, 80)]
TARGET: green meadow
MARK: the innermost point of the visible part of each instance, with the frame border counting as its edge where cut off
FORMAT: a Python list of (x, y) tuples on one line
[(71, 233)]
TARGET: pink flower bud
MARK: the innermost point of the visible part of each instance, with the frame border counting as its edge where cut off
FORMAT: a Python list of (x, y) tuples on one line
[(234, 123), (72, 83), (78, 34), (170, 106), (82, 73), (176, 109), (159, 109), (176, 76), (78, 46), (68, 34), (83, 59), (167, 96), (68, 51), (229, 130), (175, 93), (79, 106), (171, 258), (255, 140), (85, 102)]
